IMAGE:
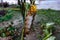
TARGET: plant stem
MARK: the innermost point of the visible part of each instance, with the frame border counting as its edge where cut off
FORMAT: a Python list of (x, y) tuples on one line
[(47, 36), (22, 38)]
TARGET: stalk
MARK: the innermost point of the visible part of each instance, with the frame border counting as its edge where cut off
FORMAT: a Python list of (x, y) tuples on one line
[(30, 17), (47, 36), (22, 38), (23, 11)]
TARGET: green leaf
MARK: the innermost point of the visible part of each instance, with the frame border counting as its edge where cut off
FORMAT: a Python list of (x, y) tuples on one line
[(51, 38), (3, 35), (46, 31), (11, 28)]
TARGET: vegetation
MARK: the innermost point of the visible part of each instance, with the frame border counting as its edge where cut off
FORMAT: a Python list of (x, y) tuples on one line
[(48, 19), (7, 16), (49, 16), (47, 31), (7, 31)]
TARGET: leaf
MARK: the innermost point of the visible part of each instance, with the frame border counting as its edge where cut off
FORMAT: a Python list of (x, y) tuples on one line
[(49, 24), (11, 28), (46, 31), (51, 38), (3, 35)]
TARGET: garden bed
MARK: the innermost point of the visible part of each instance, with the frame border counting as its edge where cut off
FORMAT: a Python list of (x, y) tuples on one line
[(42, 17)]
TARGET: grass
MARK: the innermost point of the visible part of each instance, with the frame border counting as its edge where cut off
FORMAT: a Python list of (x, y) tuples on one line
[(49, 15)]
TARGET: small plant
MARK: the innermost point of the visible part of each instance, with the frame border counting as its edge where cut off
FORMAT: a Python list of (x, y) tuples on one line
[(8, 15), (7, 32), (48, 30)]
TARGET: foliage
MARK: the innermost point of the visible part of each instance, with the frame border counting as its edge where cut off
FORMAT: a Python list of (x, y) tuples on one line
[(7, 31), (51, 38), (6, 17), (49, 15), (17, 6), (47, 31)]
